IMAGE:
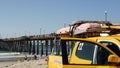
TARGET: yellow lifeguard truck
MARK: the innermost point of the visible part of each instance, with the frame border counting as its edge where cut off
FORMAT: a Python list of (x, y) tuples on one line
[(97, 46), (86, 53)]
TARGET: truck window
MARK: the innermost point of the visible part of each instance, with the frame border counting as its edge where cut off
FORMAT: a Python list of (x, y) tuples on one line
[(56, 50), (107, 43), (90, 51), (114, 47), (102, 56), (85, 50), (70, 46)]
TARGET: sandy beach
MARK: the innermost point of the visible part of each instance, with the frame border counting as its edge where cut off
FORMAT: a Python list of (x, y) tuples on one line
[(39, 63), (7, 63)]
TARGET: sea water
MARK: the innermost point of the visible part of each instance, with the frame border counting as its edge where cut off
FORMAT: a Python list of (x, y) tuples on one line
[(11, 56)]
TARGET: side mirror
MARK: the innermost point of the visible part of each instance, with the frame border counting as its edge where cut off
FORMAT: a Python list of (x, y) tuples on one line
[(114, 60)]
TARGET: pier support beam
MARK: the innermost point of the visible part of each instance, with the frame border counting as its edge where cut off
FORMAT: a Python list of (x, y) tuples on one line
[(51, 45), (46, 44), (30, 47), (33, 51), (41, 48), (38, 47)]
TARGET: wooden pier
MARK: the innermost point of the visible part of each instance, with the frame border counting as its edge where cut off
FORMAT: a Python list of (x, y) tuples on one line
[(35, 45)]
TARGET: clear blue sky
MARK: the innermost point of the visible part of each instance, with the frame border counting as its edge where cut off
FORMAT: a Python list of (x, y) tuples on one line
[(26, 17)]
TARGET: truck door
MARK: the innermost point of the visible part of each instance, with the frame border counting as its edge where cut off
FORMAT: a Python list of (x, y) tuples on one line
[(88, 55)]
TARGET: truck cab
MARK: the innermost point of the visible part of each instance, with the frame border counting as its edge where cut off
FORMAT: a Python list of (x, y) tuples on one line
[(84, 53)]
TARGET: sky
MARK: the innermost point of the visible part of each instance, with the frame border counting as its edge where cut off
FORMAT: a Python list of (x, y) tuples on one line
[(34, 17)]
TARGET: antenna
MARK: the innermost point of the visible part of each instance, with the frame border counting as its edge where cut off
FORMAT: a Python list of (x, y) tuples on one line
[(105, 15), (40, 30), (0, 36)]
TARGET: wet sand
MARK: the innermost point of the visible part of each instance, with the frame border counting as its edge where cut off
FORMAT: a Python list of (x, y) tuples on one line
[(39, 63)]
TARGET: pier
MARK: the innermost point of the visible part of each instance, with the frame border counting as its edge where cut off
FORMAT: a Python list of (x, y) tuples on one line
[(43, 44), (33, 45)]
